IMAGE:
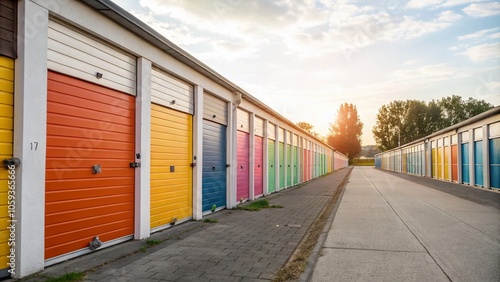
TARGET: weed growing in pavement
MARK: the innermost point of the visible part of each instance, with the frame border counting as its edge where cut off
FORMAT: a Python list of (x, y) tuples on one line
[(68, 277), (210, 220), (258, 205), (152, 242)]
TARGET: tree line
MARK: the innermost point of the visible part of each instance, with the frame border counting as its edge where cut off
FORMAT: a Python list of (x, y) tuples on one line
[(401, 122)]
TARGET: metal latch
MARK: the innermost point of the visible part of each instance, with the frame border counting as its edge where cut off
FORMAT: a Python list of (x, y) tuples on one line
[(96, 169), (135, 164), (8, 163)]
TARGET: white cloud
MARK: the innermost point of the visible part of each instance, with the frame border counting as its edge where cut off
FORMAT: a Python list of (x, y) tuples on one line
[(411, 28), (435, 4), (453, 3), (181, 35), (419, 4), (482, 34), (410, 62), (425, 74), (449, 16), (243, 28), (483, 52), (483, 9)]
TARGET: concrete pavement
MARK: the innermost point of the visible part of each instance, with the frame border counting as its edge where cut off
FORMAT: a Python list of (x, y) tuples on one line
[(388, 228)]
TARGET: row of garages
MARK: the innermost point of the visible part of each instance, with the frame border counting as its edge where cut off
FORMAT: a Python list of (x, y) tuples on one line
[(120, 133), (466, 153)]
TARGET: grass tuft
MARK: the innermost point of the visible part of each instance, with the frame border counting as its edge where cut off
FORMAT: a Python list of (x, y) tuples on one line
[(152, 242), (210, 220), (68, 277), (258, 205)]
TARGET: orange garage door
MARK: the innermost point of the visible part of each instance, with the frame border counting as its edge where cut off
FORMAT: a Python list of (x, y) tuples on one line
[(87, 125)]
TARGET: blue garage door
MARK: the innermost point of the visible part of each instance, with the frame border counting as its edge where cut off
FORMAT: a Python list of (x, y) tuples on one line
[(495, 163), (478, 162), (465, 163), (214, 165)]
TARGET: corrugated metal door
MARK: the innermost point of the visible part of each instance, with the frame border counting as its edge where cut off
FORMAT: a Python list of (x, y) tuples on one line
[(309, 162), (478, 155), (214, 165), (243, 156), (214, 187), (171, 150), (316, 161), (404, 161), (271, 162), (465, 163), (494, 154), (6, 133), (296, 168), (289, 165), (495, 163), (434, 159), (258, 157), (258, 166), (271, 158), (87, 125), (281, 135), (478, 162), (439, 160), (242, 192), (454, 162), (447, 156), (304, 162), (171, 173), (282, 164)]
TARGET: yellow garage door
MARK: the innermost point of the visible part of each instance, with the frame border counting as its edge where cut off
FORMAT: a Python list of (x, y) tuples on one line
[(6, 126), (171, 171)]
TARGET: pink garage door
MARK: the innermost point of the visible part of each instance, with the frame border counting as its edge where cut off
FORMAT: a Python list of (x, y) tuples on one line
[(243, 166)]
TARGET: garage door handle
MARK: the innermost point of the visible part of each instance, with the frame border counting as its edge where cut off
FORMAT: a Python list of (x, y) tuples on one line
[(241, 167), (271, 165), (213, 168), (258, 165)]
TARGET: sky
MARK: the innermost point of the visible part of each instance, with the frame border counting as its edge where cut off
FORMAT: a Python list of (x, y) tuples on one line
[(305, 58)]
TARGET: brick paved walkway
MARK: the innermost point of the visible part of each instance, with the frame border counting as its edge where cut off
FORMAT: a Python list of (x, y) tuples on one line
[(241, 246)]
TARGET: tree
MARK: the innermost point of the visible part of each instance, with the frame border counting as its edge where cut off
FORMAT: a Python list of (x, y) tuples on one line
[(456, 110), (409, 120), (389, 124), (308, 127), (345, 133)]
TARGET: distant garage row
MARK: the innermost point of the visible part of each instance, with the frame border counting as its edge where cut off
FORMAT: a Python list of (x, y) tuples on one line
[(466, 153)]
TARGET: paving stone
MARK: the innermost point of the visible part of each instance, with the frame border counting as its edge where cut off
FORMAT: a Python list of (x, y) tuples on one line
[(221, 278), (246, 279)]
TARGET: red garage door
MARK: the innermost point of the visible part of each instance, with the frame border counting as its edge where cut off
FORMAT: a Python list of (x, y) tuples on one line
[(88, 127)]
